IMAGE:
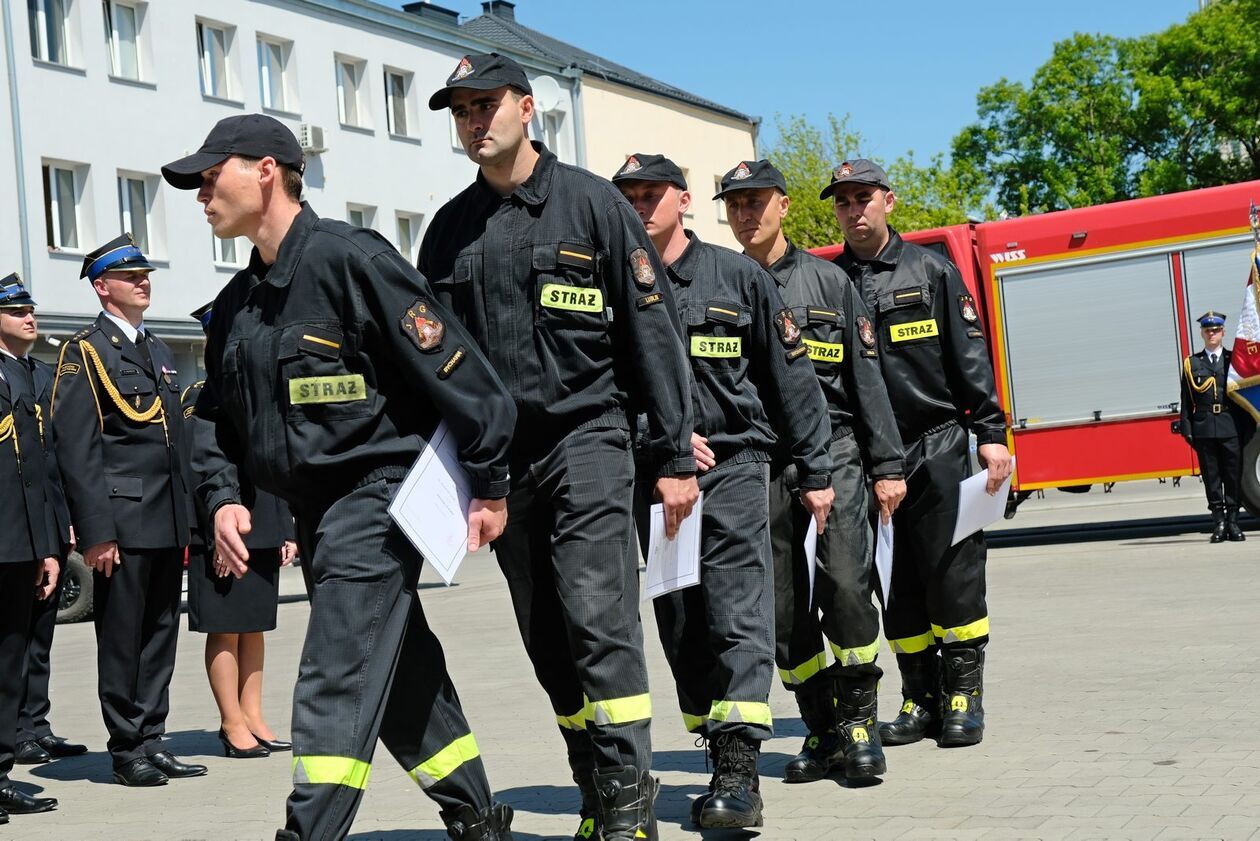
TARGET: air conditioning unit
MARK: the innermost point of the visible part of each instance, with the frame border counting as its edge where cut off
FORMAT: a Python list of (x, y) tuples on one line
[(311, 139)]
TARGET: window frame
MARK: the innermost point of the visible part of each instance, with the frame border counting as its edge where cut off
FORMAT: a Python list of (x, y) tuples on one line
[(392, 102), (288, 80), (37, 11), (113, 40), (721, 203), (415, 221), (363, 111), (126, 213), (367, 212), (49, 170), (227, 89)]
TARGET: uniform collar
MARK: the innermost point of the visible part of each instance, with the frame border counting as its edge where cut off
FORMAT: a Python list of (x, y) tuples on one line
[(888, 256), (536, 188), (132, 333), (684, 268), (280, 272), (782, 268)]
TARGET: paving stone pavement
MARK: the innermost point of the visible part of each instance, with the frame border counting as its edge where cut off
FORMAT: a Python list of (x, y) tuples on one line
[(1120, 697)]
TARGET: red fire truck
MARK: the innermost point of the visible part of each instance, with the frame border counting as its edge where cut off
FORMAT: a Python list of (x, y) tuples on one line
[(1089, 313)]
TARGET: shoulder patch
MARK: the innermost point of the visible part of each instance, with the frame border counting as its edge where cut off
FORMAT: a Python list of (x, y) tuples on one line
[(68, 369), (452, 362), (865, 332), (870, 354), (641, 268), (188, 413), (967, 309), (974, 334), (420, 325), (648, 300), (83, 334), (797, 352), (789, 331)]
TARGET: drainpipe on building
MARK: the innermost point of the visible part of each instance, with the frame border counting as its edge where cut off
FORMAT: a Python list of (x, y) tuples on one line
[(579, 116), (15, 112)]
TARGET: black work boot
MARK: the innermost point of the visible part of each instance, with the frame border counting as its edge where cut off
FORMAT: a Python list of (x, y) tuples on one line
[(491, 824), (627, 799), (287, 835), (710, 762), (1232, 531), (1218, 526), (962, 682), (920, 711), (822, 749), (589, 826), (736, 798), (856, 711)]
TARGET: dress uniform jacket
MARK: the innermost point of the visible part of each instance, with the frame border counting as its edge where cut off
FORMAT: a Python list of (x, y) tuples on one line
[(120, 439), (32, 503), (1206, 411)]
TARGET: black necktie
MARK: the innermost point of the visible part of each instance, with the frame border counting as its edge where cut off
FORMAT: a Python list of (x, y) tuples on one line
[(21, 377), (142, 344)]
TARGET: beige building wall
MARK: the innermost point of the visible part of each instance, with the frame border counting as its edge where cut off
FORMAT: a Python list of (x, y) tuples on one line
[(620, 121)]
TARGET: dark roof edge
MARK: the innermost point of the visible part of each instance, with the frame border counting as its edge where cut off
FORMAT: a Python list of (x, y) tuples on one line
[(690, 98)]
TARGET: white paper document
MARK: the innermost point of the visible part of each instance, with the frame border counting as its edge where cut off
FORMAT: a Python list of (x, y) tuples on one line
[(811, 553), (673, 564), (976, 509), (431, 506), (883, 554)]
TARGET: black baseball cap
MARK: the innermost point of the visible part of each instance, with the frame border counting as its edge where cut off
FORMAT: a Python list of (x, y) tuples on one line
[(642, 167), (857, 171), (481, 72), (247, 135), (752, 175)]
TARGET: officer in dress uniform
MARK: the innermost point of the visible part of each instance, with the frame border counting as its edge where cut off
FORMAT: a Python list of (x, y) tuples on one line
[(754, 393), (33, 530), (1214, 425), (115, 409), (557, 281), (837, 702), (936, 367)]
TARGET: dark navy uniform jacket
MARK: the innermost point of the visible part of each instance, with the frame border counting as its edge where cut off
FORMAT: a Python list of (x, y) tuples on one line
[(325, 369), (931, 341), (840, 338), (1206, 411), (754, 385), (36, 524), (560, 285), (115, 410)]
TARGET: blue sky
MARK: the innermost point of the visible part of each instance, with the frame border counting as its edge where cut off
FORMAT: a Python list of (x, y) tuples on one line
[(909, 78)]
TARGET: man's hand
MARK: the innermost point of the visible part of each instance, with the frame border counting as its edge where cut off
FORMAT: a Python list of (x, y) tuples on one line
[(231, 523), (677, 495), (102, 557), (704, 456), (818, 503), (487, 518), (889, 493), (997, 460), (288, 552), (72, 540), (46, 574)]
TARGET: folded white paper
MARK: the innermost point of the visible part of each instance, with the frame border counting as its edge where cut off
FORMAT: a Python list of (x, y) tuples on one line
[(673, 564), (431, 506), (884, 555), (811, 553), (976, 509)]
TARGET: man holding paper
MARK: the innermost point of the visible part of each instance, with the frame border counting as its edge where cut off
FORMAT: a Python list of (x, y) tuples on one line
[(839, 704), (755, 392), (327, 360), (929, 334)]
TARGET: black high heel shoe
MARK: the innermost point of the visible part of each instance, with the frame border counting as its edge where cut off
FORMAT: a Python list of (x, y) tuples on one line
[(231, 751), (273, 745)]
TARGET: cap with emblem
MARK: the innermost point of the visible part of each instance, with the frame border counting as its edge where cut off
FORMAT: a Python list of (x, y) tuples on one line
[(247, 135), (481, 72), (641, 167), (117, 255), (202, 314), (857, 171), (13, 294), (752, 175), (1211, 318)]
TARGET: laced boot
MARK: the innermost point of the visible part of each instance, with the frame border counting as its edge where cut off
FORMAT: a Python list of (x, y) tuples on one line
[(1232, 531), (822, 749), (493, 823), (962, 679), (1218, 526), (856, 711), (920, 712), (736, 799), (710, 763), (627, 803)]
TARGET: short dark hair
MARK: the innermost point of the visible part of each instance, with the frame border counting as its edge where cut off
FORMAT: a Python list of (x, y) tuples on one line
[(289, 177)]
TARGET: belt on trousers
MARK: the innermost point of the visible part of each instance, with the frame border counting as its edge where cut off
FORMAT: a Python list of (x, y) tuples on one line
[(841, 431)]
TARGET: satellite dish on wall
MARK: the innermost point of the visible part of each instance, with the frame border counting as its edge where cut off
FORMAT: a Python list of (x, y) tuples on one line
[(547, 93)]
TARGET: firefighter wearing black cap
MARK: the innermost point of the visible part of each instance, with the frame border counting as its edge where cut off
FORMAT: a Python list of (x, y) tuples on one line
[(115, 408), (838, 703), (34, 530), (930, 339), (1214, 425), (327, 360), (558, 282), (755, 393)]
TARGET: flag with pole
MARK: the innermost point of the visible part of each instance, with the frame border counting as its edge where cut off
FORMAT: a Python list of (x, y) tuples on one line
[(1244, 369)]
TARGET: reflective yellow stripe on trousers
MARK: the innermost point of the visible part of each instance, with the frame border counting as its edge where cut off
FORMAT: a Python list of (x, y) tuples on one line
[(694, 723), (618, 710), (331, 770), (859, 656), (963, 633), (748, 712), (803, 672), (443, 763), (913, 645)]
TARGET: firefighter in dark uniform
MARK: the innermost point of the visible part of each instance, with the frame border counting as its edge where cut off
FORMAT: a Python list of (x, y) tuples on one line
[(755, 393), (33, 531), (1214, 425), (327, 360), (115, 408), (557, 281), (931, 346), (838, 703)]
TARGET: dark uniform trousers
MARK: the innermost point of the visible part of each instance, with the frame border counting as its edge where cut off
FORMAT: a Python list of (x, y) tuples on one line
[(717, 635), (569, 561), (1220, 462), (17, 595), (33, 718), (391, 681), (844, 578)]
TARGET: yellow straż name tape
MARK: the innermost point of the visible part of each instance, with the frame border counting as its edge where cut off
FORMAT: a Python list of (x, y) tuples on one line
[(913, 330), (558, 296), (825, 351), (716, 347), (346, 388)]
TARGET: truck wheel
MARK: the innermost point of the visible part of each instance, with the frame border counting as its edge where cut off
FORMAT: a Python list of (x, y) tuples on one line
[(76, 591), (1251, 476)]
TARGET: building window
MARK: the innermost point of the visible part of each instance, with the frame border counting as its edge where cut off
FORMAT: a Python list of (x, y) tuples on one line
[(214, 45), (455, 144), (398, 106), (63, 188), (721, 203), (351, 104), (232, 252), (691, 209), (133, 209), (275, 77), (361, 215), (50, 29), (409, 235), (122, 35)]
